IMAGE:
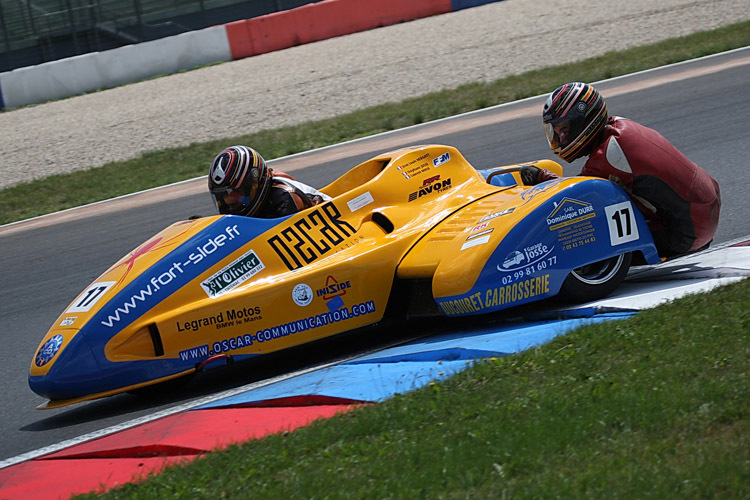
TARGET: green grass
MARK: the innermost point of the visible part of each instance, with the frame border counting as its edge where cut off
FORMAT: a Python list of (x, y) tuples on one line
[(655, 406), (68, 190)]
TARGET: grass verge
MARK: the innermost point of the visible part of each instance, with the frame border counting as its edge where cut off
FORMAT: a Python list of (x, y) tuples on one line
[(655, 406), (114, 179)]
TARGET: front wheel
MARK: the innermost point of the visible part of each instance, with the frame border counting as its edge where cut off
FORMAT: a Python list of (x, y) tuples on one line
[(595, 281)]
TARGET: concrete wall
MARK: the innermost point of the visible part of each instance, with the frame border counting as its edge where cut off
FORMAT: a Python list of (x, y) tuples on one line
[(277, 31), (101, 70)]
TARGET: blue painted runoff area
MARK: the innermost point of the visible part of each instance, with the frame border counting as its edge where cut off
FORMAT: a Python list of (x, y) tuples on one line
[(397, 370)]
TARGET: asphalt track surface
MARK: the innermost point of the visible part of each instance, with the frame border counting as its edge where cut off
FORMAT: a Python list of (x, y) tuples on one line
[(701, 106)]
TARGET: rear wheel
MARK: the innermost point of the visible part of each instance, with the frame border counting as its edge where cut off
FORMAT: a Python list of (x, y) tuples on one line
[(597, 280)]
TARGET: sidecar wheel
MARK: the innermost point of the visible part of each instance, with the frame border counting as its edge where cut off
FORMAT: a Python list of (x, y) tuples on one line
[(595, 281)]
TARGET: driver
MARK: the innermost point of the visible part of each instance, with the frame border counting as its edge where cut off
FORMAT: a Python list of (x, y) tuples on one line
[(241, 183), (679, 200)]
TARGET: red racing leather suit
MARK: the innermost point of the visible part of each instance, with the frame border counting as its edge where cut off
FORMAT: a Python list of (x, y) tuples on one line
[(679, 200)]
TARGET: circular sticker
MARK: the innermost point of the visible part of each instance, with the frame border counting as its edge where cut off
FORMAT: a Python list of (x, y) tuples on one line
[(48, 350), (302, 294)]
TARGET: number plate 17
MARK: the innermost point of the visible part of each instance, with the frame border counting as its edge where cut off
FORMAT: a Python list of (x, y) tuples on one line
[(622, 224)]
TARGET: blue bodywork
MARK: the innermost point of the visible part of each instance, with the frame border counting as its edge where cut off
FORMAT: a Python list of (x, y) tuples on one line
[(583, 223), (83, 368)]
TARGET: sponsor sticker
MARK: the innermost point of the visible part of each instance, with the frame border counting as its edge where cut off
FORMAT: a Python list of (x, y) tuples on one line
[(497, 297), (48, 350), (529, 255), (335, 303), (303, 241), (360, 201), (279, 331), (407, 165), (477, 239), (224, 319), (443, 158), (333, 288), (233, 275), (68, 321), (317, 321), (302, 294), (487, 231), (481, 240), (432, 185), (497, 214), (513, 259), (569, 211)]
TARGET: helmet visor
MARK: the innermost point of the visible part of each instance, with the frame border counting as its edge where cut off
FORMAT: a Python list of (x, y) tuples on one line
[(558, 133), (230, 201), (552, 138)]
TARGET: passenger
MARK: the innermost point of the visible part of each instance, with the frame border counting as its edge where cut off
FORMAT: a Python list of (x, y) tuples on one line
[(241, 183), (679, 200)]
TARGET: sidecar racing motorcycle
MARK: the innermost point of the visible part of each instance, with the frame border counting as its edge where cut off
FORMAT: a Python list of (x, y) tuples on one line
[(225, 287)]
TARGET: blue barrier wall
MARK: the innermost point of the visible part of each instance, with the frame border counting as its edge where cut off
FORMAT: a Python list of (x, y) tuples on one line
[(465, 4)]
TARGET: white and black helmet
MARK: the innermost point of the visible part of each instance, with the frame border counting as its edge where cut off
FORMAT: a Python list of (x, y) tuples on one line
[(239, 181)]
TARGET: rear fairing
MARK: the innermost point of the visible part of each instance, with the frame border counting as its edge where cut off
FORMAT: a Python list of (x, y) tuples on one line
[(525, 248)]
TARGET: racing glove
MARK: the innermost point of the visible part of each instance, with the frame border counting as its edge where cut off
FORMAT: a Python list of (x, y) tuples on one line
[(530, 175)]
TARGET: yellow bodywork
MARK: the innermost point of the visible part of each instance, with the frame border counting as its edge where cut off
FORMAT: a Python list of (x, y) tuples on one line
[(320, 272)]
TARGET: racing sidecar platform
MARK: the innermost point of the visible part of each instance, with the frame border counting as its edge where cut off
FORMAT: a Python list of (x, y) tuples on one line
[(229, 287)]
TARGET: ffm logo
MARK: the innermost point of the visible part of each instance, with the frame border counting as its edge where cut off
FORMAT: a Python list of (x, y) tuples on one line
[(443, 158)]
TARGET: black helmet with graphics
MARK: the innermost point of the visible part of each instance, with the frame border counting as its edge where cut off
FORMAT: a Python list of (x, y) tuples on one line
[(574, 116), (239, 181)]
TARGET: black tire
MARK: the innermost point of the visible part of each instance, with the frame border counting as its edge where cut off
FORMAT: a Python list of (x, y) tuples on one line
[(595, 281)]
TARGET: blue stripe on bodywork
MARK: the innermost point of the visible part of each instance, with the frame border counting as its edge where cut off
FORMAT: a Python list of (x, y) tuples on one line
[(172, 272)]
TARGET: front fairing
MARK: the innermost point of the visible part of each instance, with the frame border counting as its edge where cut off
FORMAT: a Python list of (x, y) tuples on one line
[(118, 305)]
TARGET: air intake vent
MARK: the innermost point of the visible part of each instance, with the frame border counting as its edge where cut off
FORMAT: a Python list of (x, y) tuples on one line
[(156, 339), (382, 221)]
